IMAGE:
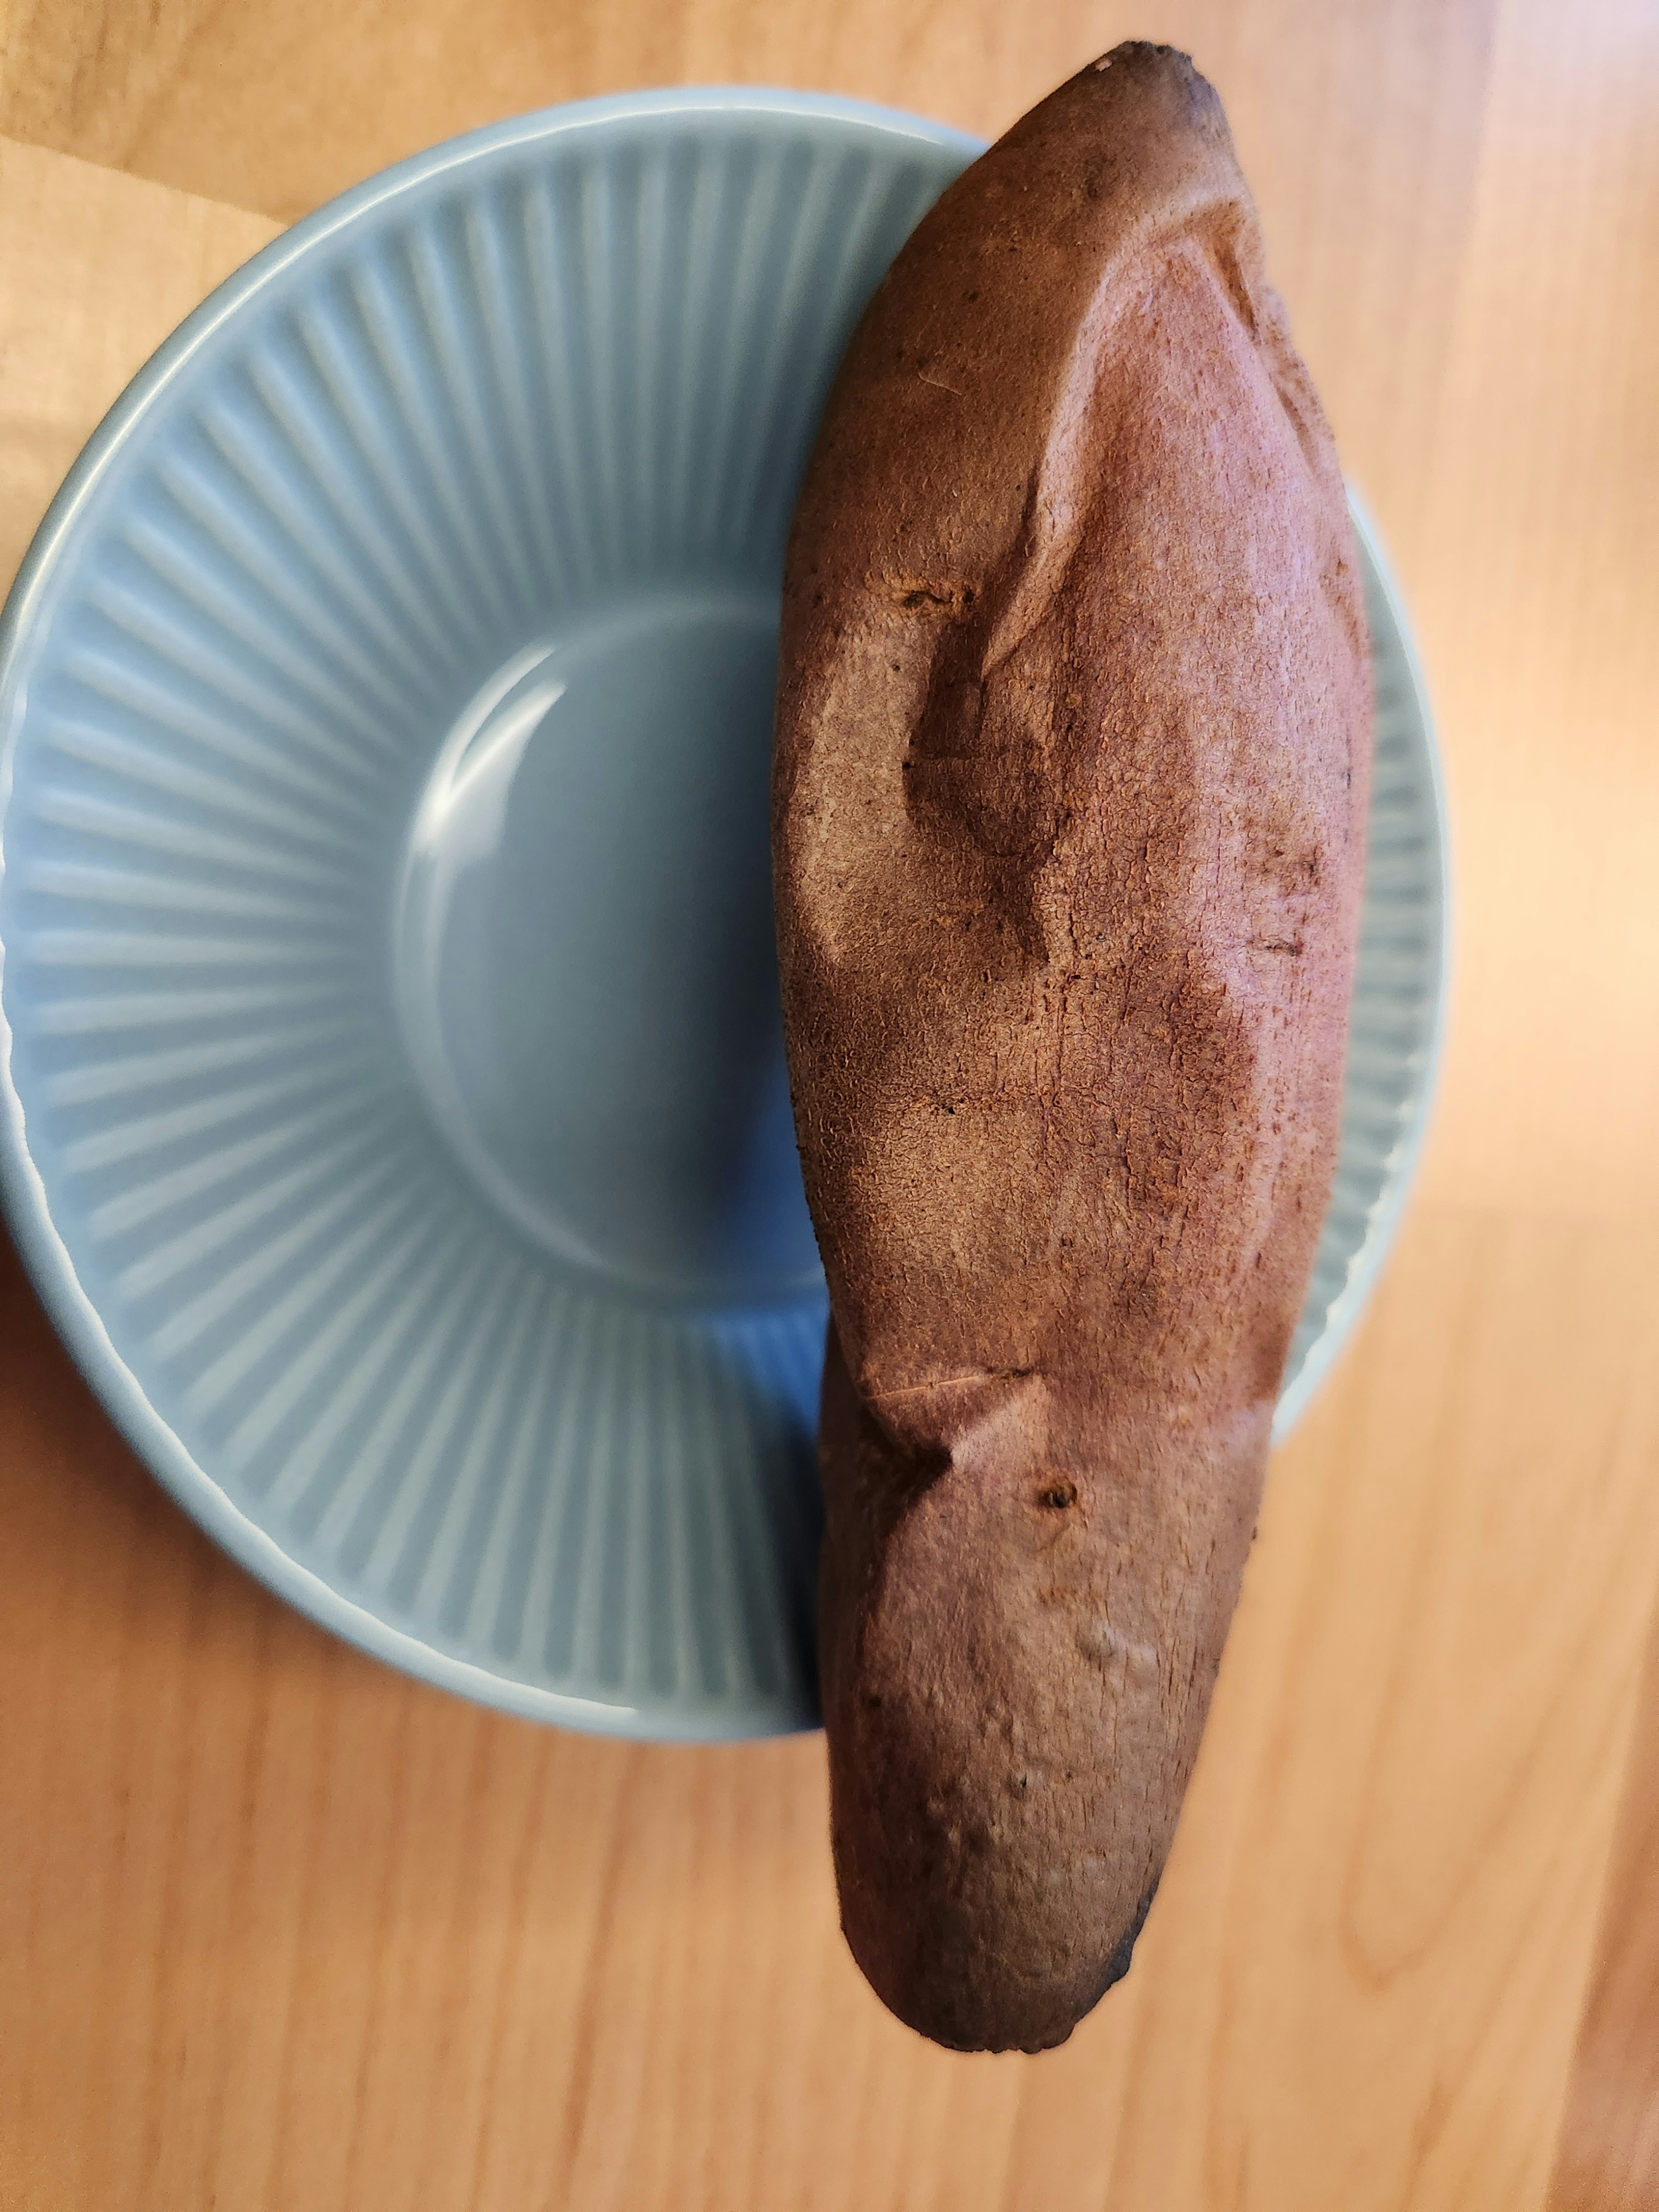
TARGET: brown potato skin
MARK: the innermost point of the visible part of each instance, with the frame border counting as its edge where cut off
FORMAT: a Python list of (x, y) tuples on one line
[(1069, 806)]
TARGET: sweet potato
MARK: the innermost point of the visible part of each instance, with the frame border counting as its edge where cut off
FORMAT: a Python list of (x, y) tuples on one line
[(1069, 796)]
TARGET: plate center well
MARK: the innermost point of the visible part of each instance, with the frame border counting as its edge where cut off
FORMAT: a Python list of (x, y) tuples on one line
[(583, 949)]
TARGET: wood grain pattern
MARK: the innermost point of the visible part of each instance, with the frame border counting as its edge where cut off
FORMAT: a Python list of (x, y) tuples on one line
[(276, 108), (1608, 2159), (1609, 2153), (278, 1928), (1531, 560)]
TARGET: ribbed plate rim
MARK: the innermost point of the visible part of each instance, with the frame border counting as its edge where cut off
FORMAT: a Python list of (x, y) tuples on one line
[(1366, 1265)]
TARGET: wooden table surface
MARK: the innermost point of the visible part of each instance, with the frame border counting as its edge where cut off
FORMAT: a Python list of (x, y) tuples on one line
[(278, 1928)]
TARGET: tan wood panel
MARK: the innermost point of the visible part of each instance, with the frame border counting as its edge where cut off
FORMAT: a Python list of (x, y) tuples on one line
[(276, 1927), (1533, 564), (275, 108), (1608, 2159)]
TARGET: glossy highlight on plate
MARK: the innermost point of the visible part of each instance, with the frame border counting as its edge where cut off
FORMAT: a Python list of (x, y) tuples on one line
[(392, 1109)]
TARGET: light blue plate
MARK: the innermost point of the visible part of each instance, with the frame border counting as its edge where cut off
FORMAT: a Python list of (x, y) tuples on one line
[(393, 1112)]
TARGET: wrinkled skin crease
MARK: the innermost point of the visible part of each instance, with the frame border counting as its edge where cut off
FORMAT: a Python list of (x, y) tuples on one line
[(1076, 854)]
